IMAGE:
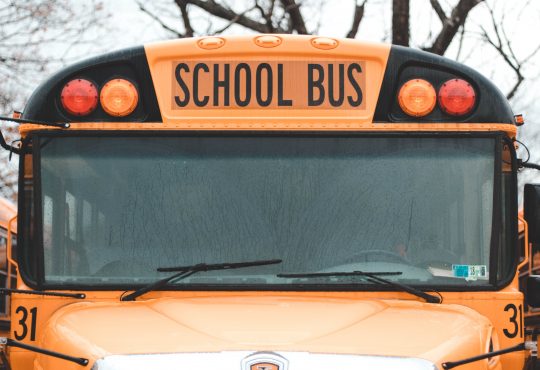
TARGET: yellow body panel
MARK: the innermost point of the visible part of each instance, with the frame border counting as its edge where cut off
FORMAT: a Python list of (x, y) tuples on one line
[(7, 212), (326, 322)]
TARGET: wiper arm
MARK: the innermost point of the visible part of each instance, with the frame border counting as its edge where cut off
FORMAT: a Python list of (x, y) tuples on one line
[(373, 276), (7, 291), (13, 149), (35, 122), (185, 271)]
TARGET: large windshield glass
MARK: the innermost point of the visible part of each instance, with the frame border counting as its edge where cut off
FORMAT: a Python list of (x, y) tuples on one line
[(114, 209)]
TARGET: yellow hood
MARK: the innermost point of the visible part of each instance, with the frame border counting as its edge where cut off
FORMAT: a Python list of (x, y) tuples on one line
[(271, 323)]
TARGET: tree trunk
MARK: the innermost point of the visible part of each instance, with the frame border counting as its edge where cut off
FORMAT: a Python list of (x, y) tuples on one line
[(400, 22)]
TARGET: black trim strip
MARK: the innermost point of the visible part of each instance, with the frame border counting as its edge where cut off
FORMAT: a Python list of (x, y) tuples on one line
[(38, 210), (513, 192), (496, 215)]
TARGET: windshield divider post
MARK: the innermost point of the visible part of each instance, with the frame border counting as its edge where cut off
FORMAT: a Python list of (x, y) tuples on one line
[(514, 210), (497, 213)]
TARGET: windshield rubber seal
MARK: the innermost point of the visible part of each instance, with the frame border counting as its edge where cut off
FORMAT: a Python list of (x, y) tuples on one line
[(357, 287)]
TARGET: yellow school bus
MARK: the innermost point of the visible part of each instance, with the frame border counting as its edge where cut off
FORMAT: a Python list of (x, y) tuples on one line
[(263, 202), (8, 214), (532, 310)]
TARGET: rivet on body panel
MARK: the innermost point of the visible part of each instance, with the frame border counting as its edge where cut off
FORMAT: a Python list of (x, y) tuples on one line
[(267, 41), (210, 43), (324, 43)]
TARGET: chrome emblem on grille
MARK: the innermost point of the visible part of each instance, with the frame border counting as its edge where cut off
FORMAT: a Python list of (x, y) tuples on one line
[(264, 361)]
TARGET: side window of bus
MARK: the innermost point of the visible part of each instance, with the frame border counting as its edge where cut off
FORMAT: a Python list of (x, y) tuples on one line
[(48, 232), (69, 244), (62, 243)]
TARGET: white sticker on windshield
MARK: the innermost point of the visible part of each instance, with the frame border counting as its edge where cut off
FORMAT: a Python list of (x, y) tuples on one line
[(470, 272)]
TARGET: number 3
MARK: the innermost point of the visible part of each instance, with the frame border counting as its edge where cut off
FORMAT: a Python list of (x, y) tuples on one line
[(518, 328), (24, 326)]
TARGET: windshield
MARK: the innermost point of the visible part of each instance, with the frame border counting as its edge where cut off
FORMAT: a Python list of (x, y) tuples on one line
[(115, 208)]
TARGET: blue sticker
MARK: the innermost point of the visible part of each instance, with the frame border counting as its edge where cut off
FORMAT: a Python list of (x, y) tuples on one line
[(470, 272), (461, 270)]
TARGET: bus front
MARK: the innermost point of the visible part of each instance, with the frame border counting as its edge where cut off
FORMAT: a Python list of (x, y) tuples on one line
[(267, 202)]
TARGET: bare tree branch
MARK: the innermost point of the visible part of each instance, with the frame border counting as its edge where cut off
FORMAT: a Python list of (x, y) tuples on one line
[(438, 9), (185, 18), (233, 21), (460, 45), (358, 15), (297, 21), (451, 25), (220, 11), (501, 43), (267, 16), (317, 27), (143, 9), (400, 22)]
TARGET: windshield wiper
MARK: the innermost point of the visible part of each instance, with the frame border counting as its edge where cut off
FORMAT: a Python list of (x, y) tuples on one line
[(185, 271), (374, 276)]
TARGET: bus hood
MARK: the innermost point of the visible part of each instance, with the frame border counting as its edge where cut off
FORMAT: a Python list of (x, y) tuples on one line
[(234, 327)]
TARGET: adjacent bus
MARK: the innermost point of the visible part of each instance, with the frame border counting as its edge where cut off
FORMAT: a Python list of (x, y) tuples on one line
[(8, 215), (269, 202)]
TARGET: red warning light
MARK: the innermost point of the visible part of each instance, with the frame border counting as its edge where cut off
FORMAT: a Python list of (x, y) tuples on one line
[(457, 97), (79, 97)]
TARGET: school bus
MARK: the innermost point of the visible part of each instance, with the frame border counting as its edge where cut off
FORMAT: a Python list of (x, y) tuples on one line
[(531, 312), (262, 202), (8, 214)]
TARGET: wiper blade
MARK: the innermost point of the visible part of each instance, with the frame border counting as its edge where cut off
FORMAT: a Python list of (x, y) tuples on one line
[(219, 266), (346, 273), (183, 272), (373, 276)]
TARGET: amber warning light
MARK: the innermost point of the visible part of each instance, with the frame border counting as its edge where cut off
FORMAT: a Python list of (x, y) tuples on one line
[(119, 97), (79, 97), (417, 97)]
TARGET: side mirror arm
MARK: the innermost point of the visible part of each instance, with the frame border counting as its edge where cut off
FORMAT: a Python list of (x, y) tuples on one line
[(6, 146)]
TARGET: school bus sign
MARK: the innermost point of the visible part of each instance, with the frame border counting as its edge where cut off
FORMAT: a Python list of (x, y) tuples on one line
[(264, 84)]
